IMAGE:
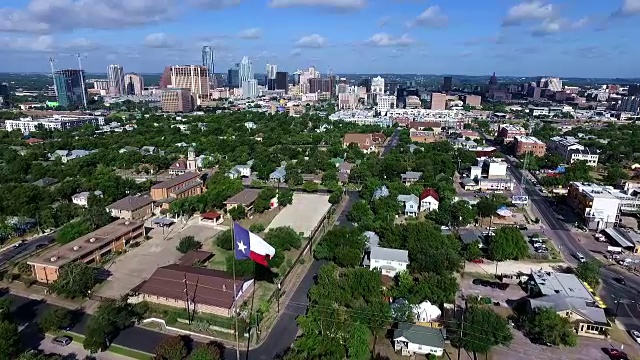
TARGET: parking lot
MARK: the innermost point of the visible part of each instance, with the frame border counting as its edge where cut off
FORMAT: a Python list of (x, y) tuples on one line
[(131, 268), (478, 287)]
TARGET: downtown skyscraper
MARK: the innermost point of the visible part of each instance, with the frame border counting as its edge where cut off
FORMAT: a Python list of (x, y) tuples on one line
[(208, 58), (70, 88), (246, 72), (270, 82), (115, 76)]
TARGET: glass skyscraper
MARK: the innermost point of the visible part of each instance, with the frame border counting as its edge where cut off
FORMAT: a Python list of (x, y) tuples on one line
[(69, 87), (246, 73), (208, 58)]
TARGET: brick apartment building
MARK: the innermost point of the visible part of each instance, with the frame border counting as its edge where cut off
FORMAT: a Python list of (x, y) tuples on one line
[(182, 186), (525, 144), (508, 132)]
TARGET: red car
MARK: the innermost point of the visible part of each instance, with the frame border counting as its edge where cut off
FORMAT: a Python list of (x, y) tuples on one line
[(616, 354), (478, 261)]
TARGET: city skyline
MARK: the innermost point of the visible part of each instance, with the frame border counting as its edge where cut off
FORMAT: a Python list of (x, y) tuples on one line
[(558, 38)]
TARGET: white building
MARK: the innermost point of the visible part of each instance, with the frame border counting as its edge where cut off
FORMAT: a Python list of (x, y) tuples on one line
[(250, 89), (630, 104), (115, 75), (377, 85), (497, 184), (599, 205), (535, 110), (494, 167), (347, 101), (411, 339), (56, 122), (82, 199), (571, 151), (429, 200), (385, 102), (389, 261), (133, 84)]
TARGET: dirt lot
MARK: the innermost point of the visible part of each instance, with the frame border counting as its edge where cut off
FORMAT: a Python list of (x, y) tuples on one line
[(131, 268)]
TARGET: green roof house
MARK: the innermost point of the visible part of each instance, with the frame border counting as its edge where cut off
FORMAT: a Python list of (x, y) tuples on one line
[(413, 339)]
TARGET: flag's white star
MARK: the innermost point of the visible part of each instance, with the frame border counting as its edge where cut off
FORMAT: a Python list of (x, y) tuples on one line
[(241, 246)]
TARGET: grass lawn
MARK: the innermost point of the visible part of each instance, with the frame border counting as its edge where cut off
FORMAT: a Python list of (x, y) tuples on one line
[(265, 218), (134, 354)]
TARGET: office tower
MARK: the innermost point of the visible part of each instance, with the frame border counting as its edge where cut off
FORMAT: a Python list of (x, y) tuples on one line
[(133, 84), (233, 77), (194, 78), (246, 72), (377, 85), (438, 101), (69, 87), (101, 85), (115, 75), (165, 78), (208, 58), (4, 90), (176, 100), (271, 76), (305, 76), (296, 77), (447, 83), (634, 89), (282, 80), (322, 85), (250, 89), (365, 83)]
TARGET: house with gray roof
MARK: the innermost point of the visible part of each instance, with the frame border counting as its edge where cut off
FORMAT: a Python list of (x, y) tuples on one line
[(569, 297), (68, 155), (240, 171), (389, 261), (412, 339), (382, 191), (136, 207), (411, 204), (279, 175), (410, 177), (45, 182)]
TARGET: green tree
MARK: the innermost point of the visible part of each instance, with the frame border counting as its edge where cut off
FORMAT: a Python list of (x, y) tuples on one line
[(461, 214), (342, 245), (508, 243), (54, 319), (285, 197), (589, 272), (263, 201), (358, 342), (335, 197), (615, 173), (171, 348), (5, 308), (210, 351), (257, 228), (283, 238), (9, 340), (545, 326), (225, 240), (76, 279), (238, 212), (187, 244), (360, 212), (482, 330), (310, 186), (486, 207), (472, 251), (72, 231)]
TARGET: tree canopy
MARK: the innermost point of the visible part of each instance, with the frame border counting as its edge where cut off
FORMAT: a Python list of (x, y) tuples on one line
[(341, 245), (508, 243), (75, 280), (545, 326), (482, 330), (589, 272)]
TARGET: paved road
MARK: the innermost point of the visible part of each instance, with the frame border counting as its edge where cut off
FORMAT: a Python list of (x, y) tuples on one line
[(76, 349), (612, 291), (391, 143), (26, 249), (280, 338)]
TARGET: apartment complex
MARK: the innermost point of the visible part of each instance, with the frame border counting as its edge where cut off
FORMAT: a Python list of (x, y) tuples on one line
[(90, 249), (438, 101), (529, 144), (132, 207), (194, 78), (508, 132), (571, 151), (56, 122), (69, 86), (473, 101), (133, 84), (600, 206), (176, 100)]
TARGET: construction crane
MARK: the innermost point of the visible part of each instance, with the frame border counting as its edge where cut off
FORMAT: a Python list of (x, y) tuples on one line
[(53, 72)]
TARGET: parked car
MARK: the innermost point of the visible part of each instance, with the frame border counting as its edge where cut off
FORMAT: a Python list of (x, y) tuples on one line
[(61, 340), (621, 281), (478, 261), (480, 282), (616, 354), (503, 286), (19, 243), (523, 227), (635, 335), (580, 257)]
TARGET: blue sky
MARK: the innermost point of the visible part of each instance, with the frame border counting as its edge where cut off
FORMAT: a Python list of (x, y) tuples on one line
[(586, 38)]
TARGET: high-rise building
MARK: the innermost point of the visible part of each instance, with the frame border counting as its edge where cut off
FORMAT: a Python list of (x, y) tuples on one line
[(366, 83), (133, 84), (281, 81), (101, 85), (194, 78), (70, 87), (250, 89), (634, 89), (246, 72), (4, 90), (115, 75), (272, 70), (447, 83), (473, 100), (208, 58), (305, 76), (438, 101), (176, 100), (322, 85), (377, 85), (165, 78), (233, 77)]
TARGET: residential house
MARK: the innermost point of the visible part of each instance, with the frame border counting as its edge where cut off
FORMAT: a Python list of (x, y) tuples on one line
[(366, 142), (214, 292), (250, 125), (570, 298), (68, 155), (45, 182), (246, 198), (279, 175), (148, 150), (389, 261), (381, 192), (344, 170), (411, 204), (410, 177), (136, 207), (413, 147), (411, 339), (429, 200), (82, 198), (241, 171)]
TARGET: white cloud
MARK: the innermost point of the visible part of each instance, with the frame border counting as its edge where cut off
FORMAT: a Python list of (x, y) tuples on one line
[(528, 10), (312, 41), (384, 39), (250, 34), (556, 25), (296, 52), (629, 8), (159, 40), (80, 44), (336, 4), (214, 4), (46, 44), (432, 17)]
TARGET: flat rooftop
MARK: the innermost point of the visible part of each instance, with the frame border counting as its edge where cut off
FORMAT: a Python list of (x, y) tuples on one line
[(603, 192), (304, 214), (553, 283), (528, 139), (86, 244)]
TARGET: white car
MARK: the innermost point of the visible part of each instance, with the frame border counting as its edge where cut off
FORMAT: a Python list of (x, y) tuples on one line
[(490, 228), (635, 335)]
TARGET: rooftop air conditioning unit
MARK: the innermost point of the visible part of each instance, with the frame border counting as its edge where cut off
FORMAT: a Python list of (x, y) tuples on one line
[(127, 222)]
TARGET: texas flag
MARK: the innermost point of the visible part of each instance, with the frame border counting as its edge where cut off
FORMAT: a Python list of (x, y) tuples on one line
[(251, 246)]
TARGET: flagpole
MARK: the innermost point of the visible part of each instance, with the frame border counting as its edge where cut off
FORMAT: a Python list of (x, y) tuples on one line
[(235, 293)]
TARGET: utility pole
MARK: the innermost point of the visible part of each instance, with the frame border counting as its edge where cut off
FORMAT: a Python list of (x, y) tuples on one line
[(462, 325)]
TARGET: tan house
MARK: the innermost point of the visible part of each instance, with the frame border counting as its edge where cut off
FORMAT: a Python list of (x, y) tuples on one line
[(89, 249), (209, 291), (137, 207), (368, 143), (245, 198), (570, 298)]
